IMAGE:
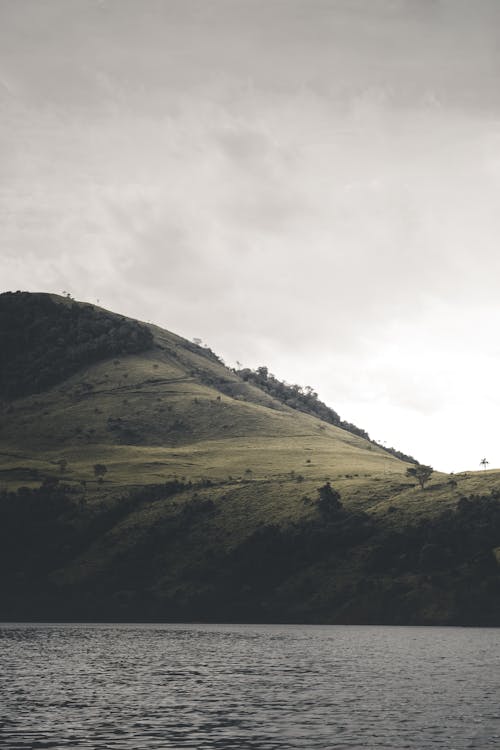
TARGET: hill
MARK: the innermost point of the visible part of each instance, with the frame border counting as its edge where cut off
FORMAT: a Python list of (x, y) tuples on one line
[(142, 479)]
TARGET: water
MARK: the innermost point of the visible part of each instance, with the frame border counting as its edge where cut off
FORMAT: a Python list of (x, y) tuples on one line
[(136, 687)]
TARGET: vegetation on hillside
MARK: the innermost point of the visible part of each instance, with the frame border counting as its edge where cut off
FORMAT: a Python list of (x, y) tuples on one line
[(335, 565), (422, 473), (43, 341), (161, 485), (306, 400)]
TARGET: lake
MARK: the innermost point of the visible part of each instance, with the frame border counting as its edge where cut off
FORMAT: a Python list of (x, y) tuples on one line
[(248, 686)]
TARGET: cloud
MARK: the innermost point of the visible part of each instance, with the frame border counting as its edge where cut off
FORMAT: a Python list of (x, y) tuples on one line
[(309, 186)]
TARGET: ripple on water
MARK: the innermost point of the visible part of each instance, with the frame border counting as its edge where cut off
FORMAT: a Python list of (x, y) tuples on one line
[(252, 687)]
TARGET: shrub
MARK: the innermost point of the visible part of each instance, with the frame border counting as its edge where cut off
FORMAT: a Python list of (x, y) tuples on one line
[(329, 500)]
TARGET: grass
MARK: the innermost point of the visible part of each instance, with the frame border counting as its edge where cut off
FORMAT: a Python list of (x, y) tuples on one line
[(176, 413), (153, 417), (164, 413)]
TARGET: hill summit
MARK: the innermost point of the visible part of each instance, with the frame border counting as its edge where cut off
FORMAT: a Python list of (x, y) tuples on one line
[(142, 479)]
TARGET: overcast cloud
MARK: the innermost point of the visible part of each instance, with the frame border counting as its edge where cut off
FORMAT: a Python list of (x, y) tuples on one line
[(308, 184)]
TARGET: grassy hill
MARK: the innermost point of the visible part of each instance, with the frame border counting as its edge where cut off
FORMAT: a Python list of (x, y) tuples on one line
[(142, 479)]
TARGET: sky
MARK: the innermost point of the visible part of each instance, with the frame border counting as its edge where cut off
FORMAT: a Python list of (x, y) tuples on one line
[(310, 185)]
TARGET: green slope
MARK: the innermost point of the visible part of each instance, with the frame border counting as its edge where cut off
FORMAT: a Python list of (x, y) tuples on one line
[(174, 409), (208, 507)]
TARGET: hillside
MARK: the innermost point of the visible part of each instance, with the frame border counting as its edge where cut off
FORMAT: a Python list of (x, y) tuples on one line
[(142, 479)]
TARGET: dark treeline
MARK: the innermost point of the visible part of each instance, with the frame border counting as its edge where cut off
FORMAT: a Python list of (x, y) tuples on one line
[(461, 540), (334, 565), (346, 567), (42, 529), (44, 341), (306, 400)]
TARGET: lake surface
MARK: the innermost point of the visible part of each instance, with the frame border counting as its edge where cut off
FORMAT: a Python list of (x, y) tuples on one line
[(248, 686)]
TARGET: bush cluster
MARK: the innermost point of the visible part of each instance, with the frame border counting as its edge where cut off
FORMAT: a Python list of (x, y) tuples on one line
[(307, 401), (44, 341)]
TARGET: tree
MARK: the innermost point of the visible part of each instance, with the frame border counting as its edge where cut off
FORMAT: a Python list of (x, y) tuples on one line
[(420, 472), (99, 471), (329, 500), (484, 463), (63, 465)]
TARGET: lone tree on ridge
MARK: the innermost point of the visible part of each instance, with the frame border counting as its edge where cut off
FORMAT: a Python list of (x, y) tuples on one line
[(421, 473)]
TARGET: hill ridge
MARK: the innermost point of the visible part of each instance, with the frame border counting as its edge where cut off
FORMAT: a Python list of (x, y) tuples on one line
[(159, 484)]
